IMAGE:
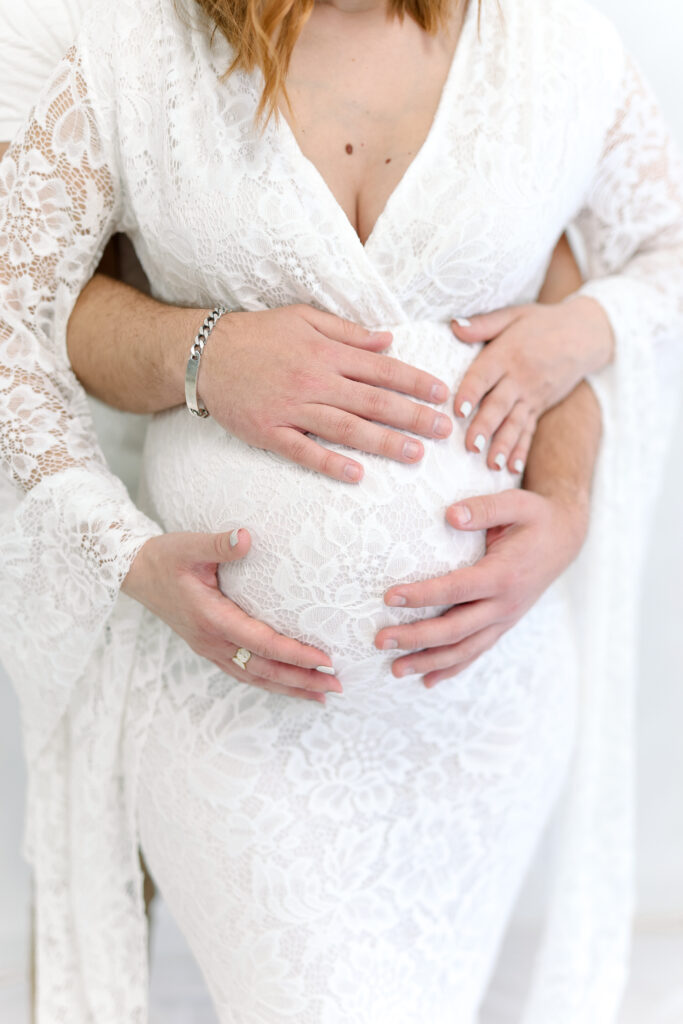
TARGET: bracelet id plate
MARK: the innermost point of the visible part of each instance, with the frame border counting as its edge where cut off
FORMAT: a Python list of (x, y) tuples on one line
[(192, 400)]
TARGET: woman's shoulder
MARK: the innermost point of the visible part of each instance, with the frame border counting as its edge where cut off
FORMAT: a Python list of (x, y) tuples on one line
[(135, 46), (567, 40), (578, 26)]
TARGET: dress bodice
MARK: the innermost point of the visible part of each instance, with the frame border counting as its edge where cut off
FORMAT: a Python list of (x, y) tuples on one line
[(546, 121), (470, 226)]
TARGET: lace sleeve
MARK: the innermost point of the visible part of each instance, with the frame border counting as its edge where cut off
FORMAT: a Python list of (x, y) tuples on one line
[(631, 225), (69, 530)]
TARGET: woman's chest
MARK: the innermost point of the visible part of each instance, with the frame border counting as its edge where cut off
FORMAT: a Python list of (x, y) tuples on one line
[(260, 219), (363, 100)]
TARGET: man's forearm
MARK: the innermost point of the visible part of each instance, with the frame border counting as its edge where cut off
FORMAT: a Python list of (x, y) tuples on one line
[(565, 448), (138, 361)]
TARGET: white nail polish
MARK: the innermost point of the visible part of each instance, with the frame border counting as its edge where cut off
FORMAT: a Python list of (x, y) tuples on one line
[(465, 409), (519, 465), (499, 460), (479, 442), (327, 669), (462, 321), (235, 538)]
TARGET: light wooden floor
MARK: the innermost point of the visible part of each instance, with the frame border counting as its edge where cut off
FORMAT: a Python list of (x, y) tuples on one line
[(655, 994)]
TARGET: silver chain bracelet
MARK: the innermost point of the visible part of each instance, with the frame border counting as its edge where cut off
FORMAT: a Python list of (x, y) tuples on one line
[(194, 403)]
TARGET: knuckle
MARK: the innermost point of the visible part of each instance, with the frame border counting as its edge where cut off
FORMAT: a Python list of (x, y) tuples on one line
[(386, 444), (306, 382), (221, 546), (387, 371), (328, 463), (298, 449), (265, 639), (345, 428), (421, 419), (520, 414), (352, 329), (376, 403), (269, 672)]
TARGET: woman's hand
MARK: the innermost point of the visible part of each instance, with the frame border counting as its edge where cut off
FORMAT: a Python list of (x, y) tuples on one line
[(272, 377), (174, 575), (530, 540), (534, 356)]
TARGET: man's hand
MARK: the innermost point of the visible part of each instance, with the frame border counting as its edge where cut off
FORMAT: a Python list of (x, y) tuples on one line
[(530, 540), (175, 576)]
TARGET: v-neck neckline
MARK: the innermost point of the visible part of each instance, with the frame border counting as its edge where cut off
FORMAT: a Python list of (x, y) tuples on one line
[(297, 156)]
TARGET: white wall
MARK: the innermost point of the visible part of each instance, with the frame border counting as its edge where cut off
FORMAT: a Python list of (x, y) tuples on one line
[(654, 32)]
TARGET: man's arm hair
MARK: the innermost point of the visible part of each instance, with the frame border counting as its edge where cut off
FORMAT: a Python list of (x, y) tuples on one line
[(565, 447), (128, 349)]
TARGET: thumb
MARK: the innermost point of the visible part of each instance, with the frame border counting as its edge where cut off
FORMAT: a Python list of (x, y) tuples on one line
[(485, 326), (227, 546), (484, 511)]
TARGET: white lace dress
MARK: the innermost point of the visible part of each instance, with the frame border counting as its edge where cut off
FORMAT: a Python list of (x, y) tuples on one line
[(355, 862)]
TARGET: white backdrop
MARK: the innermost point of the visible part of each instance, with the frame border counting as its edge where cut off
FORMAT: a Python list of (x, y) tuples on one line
[(654, 33)]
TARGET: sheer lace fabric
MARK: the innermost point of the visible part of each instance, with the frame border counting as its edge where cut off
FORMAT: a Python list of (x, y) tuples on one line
[(573, 135)]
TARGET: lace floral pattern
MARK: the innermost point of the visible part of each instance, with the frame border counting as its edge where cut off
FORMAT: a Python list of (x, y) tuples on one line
[(115, 707)]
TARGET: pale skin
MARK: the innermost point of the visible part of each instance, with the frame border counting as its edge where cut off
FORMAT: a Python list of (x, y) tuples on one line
[(341, 393)]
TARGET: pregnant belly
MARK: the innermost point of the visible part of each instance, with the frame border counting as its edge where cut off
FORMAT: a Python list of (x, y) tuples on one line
[(323, 552)]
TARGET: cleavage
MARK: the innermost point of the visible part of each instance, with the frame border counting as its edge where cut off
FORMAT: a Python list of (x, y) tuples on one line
[(364, 97)]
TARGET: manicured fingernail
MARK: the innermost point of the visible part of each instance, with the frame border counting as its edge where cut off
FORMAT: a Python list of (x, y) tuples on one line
[(397, 600), (462, 321), (411, 450), (327, 669), (519, 465), (442, 426), (351, 472), (439, 393), (479, 442), (499, 460), (465, 409), (461, 513), (404, 670), (390, 644), (235, 538)]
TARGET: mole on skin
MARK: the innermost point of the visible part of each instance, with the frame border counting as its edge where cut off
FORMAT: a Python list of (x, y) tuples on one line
[(349, 147)]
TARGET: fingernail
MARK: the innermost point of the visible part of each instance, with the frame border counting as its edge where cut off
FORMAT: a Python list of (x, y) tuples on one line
[(397, 601), (404, 670), (327, 669), (235, 538), (442, 426), (351, 472), (499, 460), (439, 393), (390, 644), (461, 514), (462, 321), (465, 409), (479, 442), (519, 465), (411, 450)]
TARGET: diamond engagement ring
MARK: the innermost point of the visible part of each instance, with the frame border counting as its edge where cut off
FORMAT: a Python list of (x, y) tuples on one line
[(241, 657)]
